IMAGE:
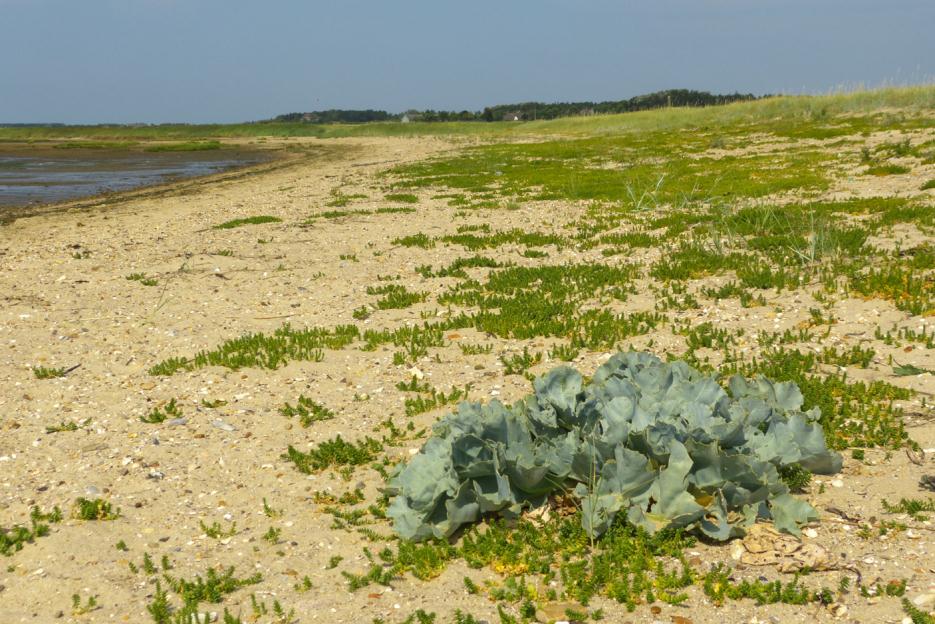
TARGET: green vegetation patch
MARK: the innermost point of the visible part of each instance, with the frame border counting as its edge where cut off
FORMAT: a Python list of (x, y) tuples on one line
[(610, 168), (265, 350), (887, 169), (160, 414), (527, 302), (13, 539), (188, 146), (334, 452), (212, 588), (395, 296), (94, 509), (97, 145), (46, 372), (402, 198), (307, 410), (257, 220)]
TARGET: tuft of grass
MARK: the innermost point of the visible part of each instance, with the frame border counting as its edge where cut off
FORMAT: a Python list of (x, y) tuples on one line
[(255, 220), (94, 509), (160, 414), (435, 399), (13, 539), (564, 352), (402, 198), (334, 452), (886, 169), (307, 410), (795, 476), (78, 608), (395, 296), (43, 372), (216, 531), (211, 588), (519, 363), (416, 240), (340, 199), (142, 279), (913, 507), (67, 426), (265, 350)]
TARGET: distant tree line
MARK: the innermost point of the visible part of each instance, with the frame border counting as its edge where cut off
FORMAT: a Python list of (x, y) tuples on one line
[(337, 116), (527, 110)]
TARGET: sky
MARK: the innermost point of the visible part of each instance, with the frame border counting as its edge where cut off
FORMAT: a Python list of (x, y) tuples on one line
[(127, 61)]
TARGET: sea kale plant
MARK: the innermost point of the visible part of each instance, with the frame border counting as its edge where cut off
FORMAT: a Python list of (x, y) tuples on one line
[(661, 443)]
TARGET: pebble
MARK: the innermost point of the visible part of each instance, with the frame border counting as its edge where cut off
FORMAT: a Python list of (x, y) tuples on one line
[(924, 599), (810, 532), (223, 426), (175, 422), (837, 483)]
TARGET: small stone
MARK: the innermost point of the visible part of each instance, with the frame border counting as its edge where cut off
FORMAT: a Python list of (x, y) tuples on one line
[(175, 422), (217, 423), (810, 532), (837, 483), (923, 600)]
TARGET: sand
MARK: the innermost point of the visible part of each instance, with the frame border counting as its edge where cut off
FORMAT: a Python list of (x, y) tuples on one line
[(58, 310)]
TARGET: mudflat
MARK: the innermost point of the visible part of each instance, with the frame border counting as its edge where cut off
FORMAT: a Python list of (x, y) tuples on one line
[(35, 176)]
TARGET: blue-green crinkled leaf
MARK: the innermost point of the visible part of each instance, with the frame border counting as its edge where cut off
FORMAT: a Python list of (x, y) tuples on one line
[(675, 506), (660, 443), (790, 513), (559, 388)]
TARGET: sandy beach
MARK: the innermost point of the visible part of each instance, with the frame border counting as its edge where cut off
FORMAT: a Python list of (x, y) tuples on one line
[(67, 301)]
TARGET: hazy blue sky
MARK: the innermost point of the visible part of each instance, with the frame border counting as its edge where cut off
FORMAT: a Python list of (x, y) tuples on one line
[(231, 60)]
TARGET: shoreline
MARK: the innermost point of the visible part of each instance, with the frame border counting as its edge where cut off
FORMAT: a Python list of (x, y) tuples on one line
[(278, 157)]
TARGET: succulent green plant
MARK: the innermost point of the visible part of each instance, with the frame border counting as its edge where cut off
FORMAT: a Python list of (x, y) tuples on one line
[(661, 443)]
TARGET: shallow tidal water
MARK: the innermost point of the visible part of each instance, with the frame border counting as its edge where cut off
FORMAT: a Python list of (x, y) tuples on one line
[(31, 179)]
